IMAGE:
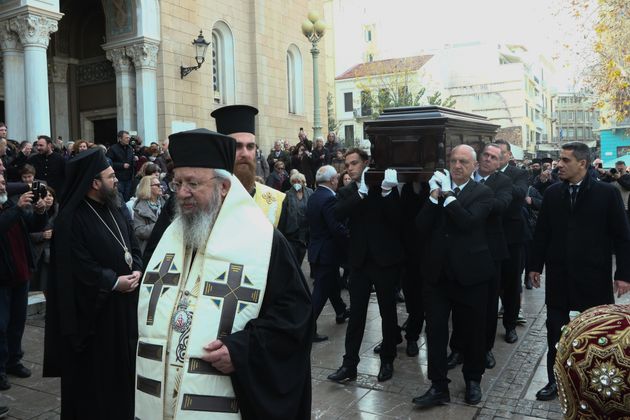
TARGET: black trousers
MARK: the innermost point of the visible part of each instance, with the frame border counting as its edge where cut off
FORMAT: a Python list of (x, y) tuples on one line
[(361, 281), (468, 305), (412, 288), (556, 319), (457, 343), (510, 285), (326, 286)]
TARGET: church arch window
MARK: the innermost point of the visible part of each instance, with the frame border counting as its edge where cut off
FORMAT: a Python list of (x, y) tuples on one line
[(295, 82), (223, 74)]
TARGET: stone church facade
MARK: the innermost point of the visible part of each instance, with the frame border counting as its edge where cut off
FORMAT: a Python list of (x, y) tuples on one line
[(87, 68)]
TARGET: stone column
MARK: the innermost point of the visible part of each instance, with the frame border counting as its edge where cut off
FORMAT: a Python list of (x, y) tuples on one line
[(125, 85), (144, 58), (34, 32), (59, 78), (14, 103)]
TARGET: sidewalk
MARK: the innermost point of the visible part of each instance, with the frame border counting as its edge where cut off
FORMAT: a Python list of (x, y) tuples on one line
[(508, 389)]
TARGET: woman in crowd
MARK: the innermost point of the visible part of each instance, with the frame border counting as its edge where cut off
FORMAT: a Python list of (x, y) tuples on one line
[(339, 162), (147, 208), (80, 146), (345, 179), (303, 162), (41, 244), (279, 179), (296, 230)]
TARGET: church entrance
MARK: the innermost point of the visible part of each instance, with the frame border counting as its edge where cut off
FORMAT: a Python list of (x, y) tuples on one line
[(83, 85)]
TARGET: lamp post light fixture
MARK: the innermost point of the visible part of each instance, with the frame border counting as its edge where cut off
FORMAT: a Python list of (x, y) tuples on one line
[(201, 46), (313, 28)]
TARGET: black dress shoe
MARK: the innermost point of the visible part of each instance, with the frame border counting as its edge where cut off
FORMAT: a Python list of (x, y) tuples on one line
[(490, 361), (386, 372), (510, 336), (454, 359), (549, 392), (377, 348), (343, 374), (4, 382), (473, 392), (412, 348), (19, 370), (432, 397), (319, 338), (340, 319)]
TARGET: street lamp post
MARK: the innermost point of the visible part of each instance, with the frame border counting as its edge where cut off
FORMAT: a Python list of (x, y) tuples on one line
[(313, 28)]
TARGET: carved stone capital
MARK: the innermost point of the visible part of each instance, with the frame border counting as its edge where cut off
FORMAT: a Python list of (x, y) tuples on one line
[(144, 55), (120, 60), (9, 40), (33, 29)]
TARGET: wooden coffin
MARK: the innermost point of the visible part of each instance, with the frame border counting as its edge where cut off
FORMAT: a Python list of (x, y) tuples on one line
[(418, 140)]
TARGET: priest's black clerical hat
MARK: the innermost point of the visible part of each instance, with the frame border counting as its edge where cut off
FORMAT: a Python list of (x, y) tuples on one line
[(80, 172), (202, 148), (546, 160), (538, 161), (235, 119)]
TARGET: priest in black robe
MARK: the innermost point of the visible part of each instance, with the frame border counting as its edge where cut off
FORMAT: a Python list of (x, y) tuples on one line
[(91, 317)]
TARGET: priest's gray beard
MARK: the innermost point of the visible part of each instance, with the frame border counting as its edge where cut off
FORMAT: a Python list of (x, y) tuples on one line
[(198, 225)]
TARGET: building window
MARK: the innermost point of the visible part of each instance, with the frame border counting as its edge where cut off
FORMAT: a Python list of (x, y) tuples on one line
[(349, 132), (570, 115), (580, 133), (366, 103), (347, 102), (223, 75), (571, 133), (579, 116), (295, 83)]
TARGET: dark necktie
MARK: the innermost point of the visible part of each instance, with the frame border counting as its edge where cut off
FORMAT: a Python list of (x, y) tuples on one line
[(456, 190), (482, 181), (574, 191)]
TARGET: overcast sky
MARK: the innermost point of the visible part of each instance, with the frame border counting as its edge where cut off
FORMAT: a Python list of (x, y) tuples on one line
[(410, 27)]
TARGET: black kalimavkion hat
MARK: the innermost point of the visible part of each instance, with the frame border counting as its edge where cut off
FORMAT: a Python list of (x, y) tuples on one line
[(235, 119), (202, 148)]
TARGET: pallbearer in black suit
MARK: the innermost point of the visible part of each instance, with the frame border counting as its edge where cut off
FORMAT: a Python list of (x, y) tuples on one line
[(514, 230), (328, 243), (487, 174), (457, 266), (375, 255), (581, 224)]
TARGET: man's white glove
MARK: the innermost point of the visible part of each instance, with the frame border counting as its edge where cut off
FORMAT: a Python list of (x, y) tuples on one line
[(363, 187), (390, 180), (433, 184), (446, 182)]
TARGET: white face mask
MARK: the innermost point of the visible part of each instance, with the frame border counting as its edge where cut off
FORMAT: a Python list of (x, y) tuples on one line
[(297, 187)]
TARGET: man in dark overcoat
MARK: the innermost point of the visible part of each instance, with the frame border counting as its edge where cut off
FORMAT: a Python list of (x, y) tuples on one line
[(580, 226)]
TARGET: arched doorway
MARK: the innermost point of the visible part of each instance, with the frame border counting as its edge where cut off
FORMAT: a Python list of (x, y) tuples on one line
[(83, 83)]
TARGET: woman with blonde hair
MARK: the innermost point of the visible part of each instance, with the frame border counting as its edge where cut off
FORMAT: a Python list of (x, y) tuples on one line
[(147, 208)]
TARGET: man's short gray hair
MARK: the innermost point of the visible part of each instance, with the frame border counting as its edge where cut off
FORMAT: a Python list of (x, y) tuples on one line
[(469, 148), (325, 173), (223, 174)]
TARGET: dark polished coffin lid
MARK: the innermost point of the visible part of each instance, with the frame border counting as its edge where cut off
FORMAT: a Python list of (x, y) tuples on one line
[(417, 140)]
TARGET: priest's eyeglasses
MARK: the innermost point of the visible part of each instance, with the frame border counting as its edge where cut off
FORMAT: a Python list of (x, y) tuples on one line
[(190, 186)]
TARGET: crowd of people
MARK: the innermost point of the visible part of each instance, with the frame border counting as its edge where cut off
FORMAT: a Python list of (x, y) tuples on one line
[(459, 246)]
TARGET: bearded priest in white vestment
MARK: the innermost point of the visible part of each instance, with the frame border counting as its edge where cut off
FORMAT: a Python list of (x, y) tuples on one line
[(224, 314)]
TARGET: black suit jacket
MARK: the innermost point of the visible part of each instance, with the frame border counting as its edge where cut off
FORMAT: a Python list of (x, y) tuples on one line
[(576, 245), (455, 237), (501, 185), (513, 222), (374, 223), (328, 236)]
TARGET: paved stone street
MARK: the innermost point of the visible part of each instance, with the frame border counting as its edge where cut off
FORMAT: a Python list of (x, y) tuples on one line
[(508, 389)]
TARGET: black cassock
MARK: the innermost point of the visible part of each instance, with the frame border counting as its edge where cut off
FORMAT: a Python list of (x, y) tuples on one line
[(272, 354), (91, 330)]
